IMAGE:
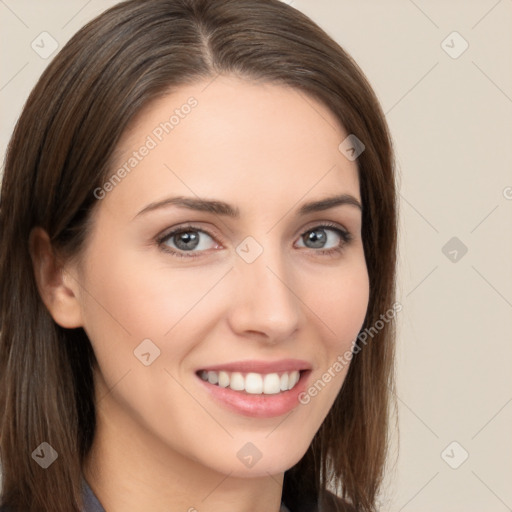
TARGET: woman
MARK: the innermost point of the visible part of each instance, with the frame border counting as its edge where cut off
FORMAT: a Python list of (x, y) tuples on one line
[(182, 176)]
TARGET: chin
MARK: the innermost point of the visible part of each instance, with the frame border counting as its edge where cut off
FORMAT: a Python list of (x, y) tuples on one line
[(271, 459)]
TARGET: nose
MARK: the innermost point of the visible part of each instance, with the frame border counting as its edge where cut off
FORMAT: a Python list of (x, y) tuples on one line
[(264, 304)]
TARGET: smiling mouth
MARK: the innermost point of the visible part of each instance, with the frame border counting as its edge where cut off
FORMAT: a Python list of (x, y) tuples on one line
[(251, 382)]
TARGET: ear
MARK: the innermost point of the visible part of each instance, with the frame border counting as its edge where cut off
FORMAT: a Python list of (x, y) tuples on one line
[(58, 289)]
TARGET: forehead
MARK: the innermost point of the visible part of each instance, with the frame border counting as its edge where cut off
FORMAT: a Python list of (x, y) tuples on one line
[(251, 144)]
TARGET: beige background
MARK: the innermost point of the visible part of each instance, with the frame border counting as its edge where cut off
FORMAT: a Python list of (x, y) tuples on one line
[(451, 120)]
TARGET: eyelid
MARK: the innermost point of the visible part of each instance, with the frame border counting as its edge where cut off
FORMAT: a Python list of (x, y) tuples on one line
[(324, 223), (169, 233), (210, 231)]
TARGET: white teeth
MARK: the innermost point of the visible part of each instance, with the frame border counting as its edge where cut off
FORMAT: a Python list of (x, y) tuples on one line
[(237, 382), (294, 378), (271, 384), (284, 382), (223, 379), (253, 383)]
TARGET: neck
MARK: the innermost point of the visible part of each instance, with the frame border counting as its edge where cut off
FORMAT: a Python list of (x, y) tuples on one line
[(129, 470)]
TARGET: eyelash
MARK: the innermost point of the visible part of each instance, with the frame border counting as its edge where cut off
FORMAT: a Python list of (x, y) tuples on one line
[(344, 235)]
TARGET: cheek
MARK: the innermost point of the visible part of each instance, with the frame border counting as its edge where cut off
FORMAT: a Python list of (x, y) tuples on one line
[(340, 302), (348, 309), (339, 307), (134, 295), (134, 300)]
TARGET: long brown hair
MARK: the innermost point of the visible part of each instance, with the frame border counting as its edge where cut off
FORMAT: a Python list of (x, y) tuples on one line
[(60, 152)]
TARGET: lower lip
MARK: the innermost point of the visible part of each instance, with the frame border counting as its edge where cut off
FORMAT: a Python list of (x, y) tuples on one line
[(258, 406)]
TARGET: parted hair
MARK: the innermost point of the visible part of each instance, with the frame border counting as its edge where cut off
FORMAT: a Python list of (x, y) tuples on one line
[(61, 151)]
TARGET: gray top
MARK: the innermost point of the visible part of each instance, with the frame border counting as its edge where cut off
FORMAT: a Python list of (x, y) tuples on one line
[(92, 504)]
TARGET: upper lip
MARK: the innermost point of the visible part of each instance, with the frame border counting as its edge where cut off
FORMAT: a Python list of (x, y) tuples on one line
[(282, 365)]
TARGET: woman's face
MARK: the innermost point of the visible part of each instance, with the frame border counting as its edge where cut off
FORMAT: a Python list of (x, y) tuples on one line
[(245, 301)]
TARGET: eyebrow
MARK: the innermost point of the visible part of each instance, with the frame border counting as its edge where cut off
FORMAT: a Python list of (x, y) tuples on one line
[(221, 208)]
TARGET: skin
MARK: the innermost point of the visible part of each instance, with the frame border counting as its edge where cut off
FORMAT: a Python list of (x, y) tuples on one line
[(161, 442)]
